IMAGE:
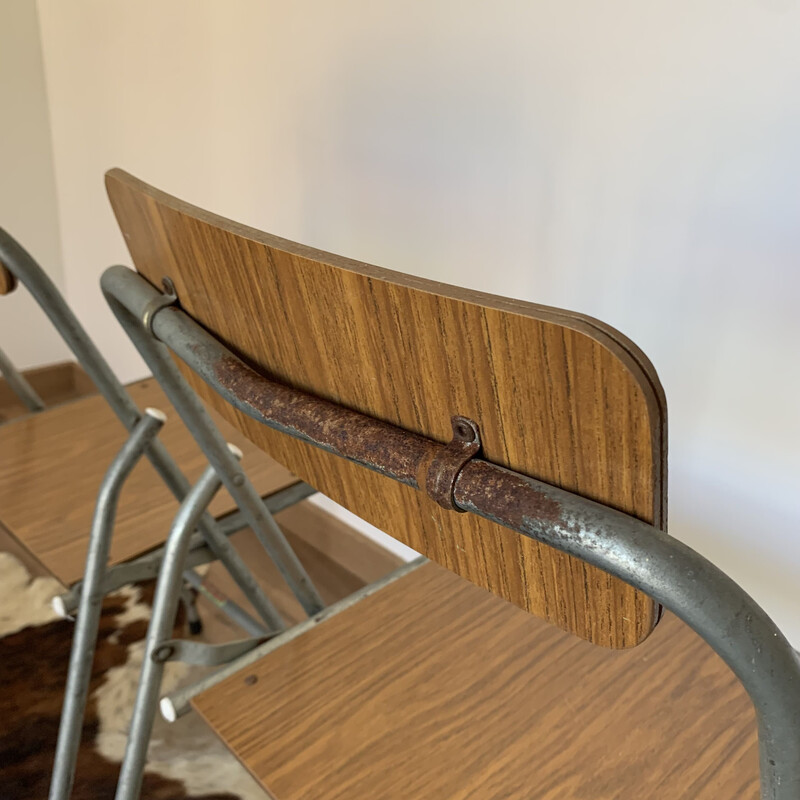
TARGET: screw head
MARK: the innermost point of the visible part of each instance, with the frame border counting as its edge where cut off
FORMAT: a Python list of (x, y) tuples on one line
[(465, 430), (162, 653)]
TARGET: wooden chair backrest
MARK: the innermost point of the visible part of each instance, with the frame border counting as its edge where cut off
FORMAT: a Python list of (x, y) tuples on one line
[(557, 395)]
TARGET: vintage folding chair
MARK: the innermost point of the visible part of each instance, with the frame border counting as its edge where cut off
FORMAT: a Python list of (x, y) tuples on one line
[(52, 463), (519, 446)]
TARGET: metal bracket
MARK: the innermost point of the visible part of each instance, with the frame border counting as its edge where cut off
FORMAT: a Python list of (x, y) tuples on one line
[(168, 298), (201, 654), (443, 471)]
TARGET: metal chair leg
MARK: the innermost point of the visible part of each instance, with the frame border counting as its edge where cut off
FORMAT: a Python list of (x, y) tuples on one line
[(91, 603), (22, 266), (165, 607)]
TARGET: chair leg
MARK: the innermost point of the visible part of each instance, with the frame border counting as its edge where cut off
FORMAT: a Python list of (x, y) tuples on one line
[(165, 607), (91, 603)]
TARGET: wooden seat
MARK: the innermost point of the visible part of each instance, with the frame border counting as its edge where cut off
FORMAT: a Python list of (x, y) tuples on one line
[(435, 689), (51, 465)]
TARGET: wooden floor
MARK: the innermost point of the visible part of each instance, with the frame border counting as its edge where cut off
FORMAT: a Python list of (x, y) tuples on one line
[(52, 465), (54, 383), (435, 689)]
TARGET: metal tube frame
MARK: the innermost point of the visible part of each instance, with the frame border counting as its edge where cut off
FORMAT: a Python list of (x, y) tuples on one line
[(146, 567), (683, 581), (177, 703), (211, 442), (22, 266), (91, 603), (162, 620)]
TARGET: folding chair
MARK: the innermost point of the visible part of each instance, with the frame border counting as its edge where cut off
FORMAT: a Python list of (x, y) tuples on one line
[(52, 463), (522, 448)]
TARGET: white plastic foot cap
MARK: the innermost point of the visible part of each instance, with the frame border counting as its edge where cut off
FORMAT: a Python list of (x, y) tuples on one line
[(157, 413), (167, 709), (59, 607)]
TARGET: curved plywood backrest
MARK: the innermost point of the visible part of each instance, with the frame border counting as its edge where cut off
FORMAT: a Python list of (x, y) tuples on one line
[(558, 396)]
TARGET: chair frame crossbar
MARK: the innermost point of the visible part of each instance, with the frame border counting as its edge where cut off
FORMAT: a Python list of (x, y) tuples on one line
[(682, 580)]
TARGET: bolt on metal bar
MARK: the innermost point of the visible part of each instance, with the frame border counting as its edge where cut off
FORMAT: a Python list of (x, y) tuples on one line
[(19, 384), (91, 604), (205, 433), (165, 607), (719, 610), (23, 267)]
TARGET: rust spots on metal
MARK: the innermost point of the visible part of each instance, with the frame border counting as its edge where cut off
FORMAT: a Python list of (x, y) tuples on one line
[(449, 473), (506, 496), (444, 469), (379, 445)]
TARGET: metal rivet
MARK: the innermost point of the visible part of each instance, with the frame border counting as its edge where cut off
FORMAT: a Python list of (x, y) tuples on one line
[(162, 653)]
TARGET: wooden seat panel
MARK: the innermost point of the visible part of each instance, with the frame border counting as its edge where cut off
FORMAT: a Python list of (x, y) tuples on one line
[(557, 395), (51, 466), (433, 688)]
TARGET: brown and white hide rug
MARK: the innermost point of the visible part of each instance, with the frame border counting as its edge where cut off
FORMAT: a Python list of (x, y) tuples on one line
[(185, 759)]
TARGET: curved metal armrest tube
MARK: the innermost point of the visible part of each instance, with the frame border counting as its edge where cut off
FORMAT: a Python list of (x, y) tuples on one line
[(682, 580), (686, 583)]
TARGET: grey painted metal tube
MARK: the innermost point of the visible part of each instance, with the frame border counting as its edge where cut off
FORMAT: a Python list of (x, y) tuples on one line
[(23, 266), (128, 308), (19, 385), (679, 578), (686, 583), (91, 604), (227, 606), (146, 567), (165, 607)]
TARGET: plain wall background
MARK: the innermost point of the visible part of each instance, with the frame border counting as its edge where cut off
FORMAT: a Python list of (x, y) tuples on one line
[(28, 209), (634, 161)]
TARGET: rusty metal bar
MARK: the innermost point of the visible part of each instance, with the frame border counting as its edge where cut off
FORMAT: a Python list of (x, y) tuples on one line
[(682, 580)]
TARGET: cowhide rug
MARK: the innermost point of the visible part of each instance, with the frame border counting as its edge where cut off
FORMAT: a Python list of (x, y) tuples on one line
[(185, 759)]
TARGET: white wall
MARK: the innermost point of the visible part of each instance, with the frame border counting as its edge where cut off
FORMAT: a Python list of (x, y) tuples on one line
[(634, 161), (27, 184)]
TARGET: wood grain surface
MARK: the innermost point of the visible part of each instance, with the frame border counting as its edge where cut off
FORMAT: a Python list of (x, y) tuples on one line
[(52, 463), (433, 688), (558, 396), (54, 383)]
